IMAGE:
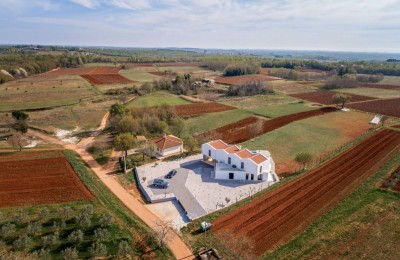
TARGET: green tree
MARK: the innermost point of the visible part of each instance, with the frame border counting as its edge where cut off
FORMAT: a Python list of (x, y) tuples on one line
[(177, 126), (124, 142), (76, 237), (118, 109), (124, 249), (303, 159), (191, 143), (20, 115), (341, 99), (69, 253), (98, 249)]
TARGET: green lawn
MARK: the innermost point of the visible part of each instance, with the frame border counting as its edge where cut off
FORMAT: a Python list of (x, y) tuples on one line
[(207, 122), (316, 135), (138, 75), (372, 92), (157, 98), (282, 110)]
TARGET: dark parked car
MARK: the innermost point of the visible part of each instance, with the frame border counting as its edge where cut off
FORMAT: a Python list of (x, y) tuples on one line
[(170, 174), (160, 183)]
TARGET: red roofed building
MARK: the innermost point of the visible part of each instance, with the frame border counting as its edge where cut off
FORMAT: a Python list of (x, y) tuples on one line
[(231, 162), (168, 145)]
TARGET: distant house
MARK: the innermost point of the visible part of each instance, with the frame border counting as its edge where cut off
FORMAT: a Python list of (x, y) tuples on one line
[(168, 145), (233, 163)]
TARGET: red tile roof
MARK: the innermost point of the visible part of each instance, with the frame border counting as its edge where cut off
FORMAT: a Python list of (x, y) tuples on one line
[(232, 149), (244, 154), (218, 144), (258, 158), (167, 141)]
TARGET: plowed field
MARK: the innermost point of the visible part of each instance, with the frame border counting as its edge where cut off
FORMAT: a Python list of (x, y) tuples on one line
[(106, 79), (36, 178), (81, 71), (200, 108), (251, 127), (312, 70), (325, 97), (237, 80), (277, 216), (389, 107)]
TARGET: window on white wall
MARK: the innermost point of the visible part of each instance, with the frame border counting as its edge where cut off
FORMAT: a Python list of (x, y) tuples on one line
[(209, 153), (229, 160), (242, 165), (260, 169)]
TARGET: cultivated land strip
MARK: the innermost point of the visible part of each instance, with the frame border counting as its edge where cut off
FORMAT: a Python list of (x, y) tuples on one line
[(253, 126), (279, 215)]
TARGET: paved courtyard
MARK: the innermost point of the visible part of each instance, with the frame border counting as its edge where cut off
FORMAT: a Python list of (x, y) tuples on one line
[(194, 187)]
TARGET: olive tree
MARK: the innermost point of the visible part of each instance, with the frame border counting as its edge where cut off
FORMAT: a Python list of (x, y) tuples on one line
[(124, 142)]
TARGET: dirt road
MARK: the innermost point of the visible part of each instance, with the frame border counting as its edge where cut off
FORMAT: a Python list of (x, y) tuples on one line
[(176, 244)]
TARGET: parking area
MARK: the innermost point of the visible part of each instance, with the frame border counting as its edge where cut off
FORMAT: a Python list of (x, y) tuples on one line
[(194, 187)]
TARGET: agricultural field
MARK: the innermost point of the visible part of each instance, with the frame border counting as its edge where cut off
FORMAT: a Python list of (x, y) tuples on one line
[(39, 178), (325, 97), (200, 124), (316, 135), (103, 222), (293, 87), (257, 101), (379, 86), (37, 92), (250, 127), (200, 108), (389, 107), (300, 202), (372, 92), (139, 75), (390, 80), (157, 98), (237, 80), (283, 110), (106, 79)]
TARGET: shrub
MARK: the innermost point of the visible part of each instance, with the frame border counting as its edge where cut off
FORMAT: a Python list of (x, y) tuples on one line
[(105, 220), (33, 228), (101, 234), (49, 241), (76, 237), (22, 242), (98, 249), (7, 230), (124, 249), (66, 213), (83, 220), (44, 213), (42, 254), (69, 253), (250, 88)]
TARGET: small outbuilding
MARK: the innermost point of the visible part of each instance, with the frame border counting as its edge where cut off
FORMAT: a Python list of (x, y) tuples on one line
[(168, 145)]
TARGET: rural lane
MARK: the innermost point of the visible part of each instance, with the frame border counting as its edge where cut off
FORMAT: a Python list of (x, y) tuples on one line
[(175, 243)]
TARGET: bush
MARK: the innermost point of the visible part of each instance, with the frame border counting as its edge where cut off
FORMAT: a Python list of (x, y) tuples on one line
[(22, 242), (250, 88), (338, 82), (244, 68), (42, 254), (369, 78), (124, 249), (7, 230), (76, 237), (66, 213), (50, 241), (101, 235), (33, 228), (105, 220), (98, 249), (83, 220), (69, 253)]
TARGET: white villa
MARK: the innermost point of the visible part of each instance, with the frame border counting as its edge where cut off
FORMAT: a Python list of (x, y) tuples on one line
[(233, 163)]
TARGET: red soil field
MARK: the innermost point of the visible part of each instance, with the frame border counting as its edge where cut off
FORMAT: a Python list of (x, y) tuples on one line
[(39, 178), (106, 79), (81, 71), (237, 80), (165, 64), (381, 86), (200, 108), (265, 71), (277, 216), (251, 127), (389, 107), (325, 97)]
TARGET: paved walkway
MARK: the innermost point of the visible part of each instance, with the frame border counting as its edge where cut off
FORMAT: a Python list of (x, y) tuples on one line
[(176, 244)]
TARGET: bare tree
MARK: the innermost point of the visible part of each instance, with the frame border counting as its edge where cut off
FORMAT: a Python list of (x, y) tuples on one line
[(16, 140), (162, 233)]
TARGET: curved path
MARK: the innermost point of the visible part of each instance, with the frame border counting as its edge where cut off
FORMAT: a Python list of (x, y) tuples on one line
[(175, 243)]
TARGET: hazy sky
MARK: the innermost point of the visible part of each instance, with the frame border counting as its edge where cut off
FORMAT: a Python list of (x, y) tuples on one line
[(367, 25)]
